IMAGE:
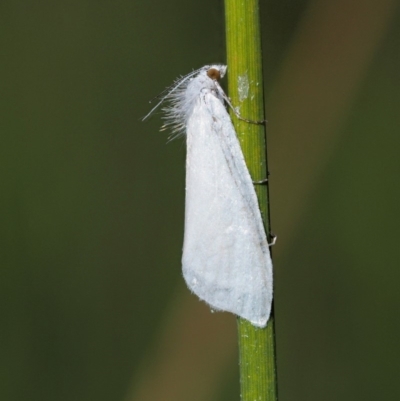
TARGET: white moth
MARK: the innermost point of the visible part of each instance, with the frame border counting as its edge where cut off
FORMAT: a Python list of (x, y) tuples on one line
[(226, 259)]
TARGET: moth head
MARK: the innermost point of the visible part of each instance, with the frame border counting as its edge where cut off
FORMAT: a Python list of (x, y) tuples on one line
[(216, 72)]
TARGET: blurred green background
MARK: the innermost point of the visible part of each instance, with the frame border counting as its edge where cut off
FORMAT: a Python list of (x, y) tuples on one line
[(93, 305)]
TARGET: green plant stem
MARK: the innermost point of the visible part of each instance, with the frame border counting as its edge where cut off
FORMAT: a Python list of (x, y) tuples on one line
[(258, 379)]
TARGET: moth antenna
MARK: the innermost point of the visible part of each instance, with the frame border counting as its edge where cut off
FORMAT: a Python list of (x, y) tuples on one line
[(170, 89)]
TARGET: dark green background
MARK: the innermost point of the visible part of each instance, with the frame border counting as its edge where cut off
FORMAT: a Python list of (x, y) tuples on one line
[(92, 205)]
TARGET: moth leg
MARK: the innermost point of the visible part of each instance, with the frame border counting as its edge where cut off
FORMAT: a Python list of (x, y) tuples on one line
[(273, 238), (237, 114), (261, 182)]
